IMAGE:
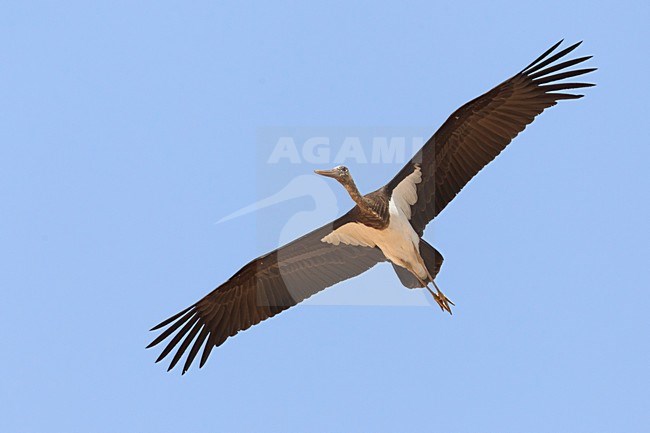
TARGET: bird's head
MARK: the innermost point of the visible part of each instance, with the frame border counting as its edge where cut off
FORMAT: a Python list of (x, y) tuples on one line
[(340, 173)]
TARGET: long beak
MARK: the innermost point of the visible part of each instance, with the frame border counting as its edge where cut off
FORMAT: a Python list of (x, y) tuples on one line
[(328, 173)]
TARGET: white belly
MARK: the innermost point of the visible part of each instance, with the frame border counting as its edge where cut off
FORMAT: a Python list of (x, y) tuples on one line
[(400, 243)]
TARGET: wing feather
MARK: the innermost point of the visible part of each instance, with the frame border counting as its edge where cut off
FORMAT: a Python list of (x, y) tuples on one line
[(261, 289), (479, 130)]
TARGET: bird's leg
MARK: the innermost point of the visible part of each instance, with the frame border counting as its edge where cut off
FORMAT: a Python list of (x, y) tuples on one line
[(440, 298)]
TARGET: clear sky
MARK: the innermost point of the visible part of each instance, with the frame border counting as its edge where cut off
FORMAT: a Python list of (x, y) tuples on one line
[(129, 129)]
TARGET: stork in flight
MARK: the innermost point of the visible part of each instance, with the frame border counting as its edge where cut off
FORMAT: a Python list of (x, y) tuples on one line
[(384, 225)]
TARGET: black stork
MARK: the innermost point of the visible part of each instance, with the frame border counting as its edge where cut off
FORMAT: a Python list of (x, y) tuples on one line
[(384, 225)]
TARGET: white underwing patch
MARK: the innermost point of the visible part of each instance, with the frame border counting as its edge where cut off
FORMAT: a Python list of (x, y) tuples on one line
[(352, 234), (405, 193)]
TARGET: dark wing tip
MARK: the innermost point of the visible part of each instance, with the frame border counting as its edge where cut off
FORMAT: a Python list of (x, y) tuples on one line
[(185, 335), (546, 73), (560, 96), (544, 54), (562, 75), (545, 60), (170, 320)]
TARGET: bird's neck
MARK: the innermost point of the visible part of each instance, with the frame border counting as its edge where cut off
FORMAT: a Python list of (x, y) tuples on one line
[(355, 194)]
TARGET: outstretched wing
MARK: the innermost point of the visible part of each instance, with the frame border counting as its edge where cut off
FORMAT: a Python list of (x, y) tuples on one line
[(261, 289), (479, 130)]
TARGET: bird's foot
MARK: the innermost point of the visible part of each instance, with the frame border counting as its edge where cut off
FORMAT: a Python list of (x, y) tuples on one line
[(443, 302)]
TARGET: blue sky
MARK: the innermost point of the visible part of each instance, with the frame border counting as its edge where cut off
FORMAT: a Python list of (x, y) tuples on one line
[(129, 130)]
